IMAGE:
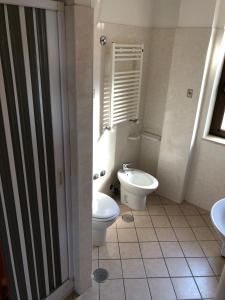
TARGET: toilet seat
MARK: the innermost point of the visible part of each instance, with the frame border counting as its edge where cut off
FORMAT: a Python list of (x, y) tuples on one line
[(104, 208)]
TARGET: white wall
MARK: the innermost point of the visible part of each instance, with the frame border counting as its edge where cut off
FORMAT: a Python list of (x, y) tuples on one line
[(207, 176), (165, 13), (112, 148), (189, 21), (126, 12), (189, 53), (196, 13), (219, 19)]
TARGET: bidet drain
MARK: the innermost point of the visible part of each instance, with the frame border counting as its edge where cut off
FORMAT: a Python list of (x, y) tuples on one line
[(100, 275), (128, 218)]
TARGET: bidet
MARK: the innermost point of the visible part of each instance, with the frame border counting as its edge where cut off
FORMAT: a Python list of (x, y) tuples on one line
[(135, 186)]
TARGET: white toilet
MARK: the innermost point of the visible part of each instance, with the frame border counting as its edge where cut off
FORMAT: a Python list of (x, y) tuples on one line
[(104, 213)]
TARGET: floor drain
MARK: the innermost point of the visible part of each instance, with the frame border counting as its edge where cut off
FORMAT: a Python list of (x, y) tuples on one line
[(100, 275), (128, 218)]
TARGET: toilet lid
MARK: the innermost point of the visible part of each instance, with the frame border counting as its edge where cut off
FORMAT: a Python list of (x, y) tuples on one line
[(104, 207)]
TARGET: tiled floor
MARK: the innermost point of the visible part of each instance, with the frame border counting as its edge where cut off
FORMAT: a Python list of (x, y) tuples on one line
[(170, 251)]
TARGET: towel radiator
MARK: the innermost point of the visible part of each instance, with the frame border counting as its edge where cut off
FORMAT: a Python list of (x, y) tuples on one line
[(126, 77)]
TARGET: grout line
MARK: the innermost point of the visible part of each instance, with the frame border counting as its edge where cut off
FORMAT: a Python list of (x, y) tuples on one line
[(167, 266), (159, 242), (189, 268), (125, 296), (98, 282), (143, 261)]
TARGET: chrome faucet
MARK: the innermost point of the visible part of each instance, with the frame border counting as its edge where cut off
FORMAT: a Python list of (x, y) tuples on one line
[(125, 166)]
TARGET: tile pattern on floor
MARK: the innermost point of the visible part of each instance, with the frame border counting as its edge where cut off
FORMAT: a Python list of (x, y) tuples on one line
[(170, 251)]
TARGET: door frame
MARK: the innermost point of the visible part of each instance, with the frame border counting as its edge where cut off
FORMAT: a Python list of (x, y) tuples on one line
[(66, 134), (67, 287)]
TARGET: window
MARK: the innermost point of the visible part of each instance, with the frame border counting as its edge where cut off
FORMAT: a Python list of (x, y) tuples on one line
[(218, 120)]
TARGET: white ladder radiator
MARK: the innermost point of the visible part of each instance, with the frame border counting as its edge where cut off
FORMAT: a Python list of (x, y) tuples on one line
[(126, 77)]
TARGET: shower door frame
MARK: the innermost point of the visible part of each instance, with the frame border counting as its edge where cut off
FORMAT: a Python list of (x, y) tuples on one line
[(68, 286)]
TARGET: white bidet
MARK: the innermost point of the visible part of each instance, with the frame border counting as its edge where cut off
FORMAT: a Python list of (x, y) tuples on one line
[(135, 186)]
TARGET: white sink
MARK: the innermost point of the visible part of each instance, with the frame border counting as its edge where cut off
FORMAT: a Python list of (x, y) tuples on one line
[(218, 220)]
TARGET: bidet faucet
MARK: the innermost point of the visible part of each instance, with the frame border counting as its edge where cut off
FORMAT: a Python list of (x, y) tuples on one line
[(125, 166)]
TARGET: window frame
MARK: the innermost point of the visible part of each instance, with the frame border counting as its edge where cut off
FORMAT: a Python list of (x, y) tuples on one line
[(219, 108)]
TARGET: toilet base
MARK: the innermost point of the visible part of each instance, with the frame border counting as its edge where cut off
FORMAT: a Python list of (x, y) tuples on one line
[(136, 202), (98, 237)]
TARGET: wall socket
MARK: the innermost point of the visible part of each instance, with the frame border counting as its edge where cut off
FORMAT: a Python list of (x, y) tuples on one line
[(190, 93)]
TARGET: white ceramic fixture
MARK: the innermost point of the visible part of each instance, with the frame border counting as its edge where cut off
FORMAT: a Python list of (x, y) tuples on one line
[(218, 220), (104, 213), (135, 186)]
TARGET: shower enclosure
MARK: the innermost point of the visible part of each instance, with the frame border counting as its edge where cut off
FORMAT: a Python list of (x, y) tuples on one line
[(34, 164)]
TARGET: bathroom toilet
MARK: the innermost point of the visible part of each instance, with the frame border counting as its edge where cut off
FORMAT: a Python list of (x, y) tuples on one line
[(104, 213)]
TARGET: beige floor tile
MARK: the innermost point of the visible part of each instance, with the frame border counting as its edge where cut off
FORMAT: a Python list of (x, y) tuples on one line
[(140, 212), (129, 250), (207, 286), (184, 234), (109, 251), (91, 294), (72, 296), (207, 219), (215, 233), (192, 249), (157, 210), (166, 201), (196, 221), (111, 236), (113, 226), (137, 289), (186, 288), (161, 289), (127, 235), (178, 221), (146, 234), (200, 267), (165, 234), (151, 250), (112, 289), (121, 224), (113, 267), (178, 267), (156, 267), (202, 211), (203, 234), (133, 268), (173, 210), (210, 248), (189, 210), (125, 209), (171, 249), (142, 221), (153, 199), (160, 221), (94, 265), (95, 252), (217, 264)]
